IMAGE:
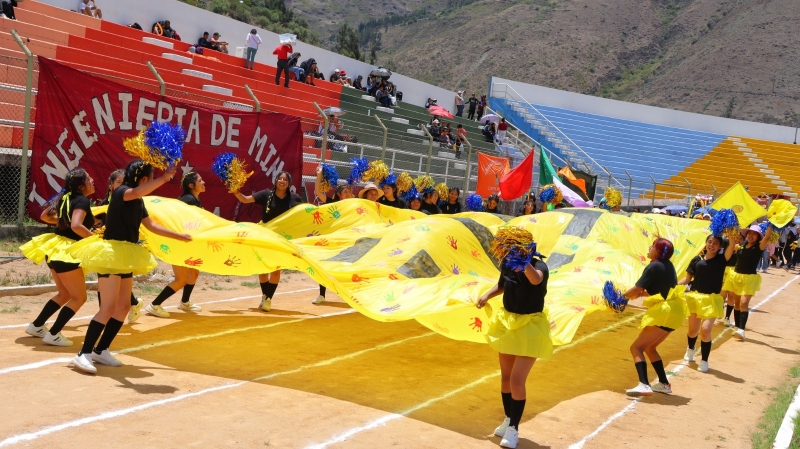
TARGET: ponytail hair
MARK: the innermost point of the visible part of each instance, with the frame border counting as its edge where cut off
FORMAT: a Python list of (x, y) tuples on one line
[(187, 180), (60, 204), (664, 249), (135, 171), (111, 178)]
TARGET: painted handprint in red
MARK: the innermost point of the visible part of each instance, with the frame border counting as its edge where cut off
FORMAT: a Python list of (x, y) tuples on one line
[(360, 210), (232, 261), (214, 246), (322, 242), (318, 218), (193, 262), (476, 324), (452, 241)]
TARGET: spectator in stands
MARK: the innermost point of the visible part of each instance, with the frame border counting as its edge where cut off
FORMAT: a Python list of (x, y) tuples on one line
[(502, 127), (460, 103), (434, 118), (253, 40), (88, 7), (221, 46), (338, 78), (473, 103), (372, 84), (135, 26), (357, 83), (309, 67), (481, 106), (205, 42), (319, 75), (299, 73), (428, 103), (283, 51), (164, 28), (489, 132), (461, 132), (7, 10), (435, 129), (391, 91), (382, 97)]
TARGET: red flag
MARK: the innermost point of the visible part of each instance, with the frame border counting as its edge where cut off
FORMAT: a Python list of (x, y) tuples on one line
[(517, 182)]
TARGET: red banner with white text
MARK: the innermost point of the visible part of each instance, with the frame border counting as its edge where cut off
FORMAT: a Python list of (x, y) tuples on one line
[(81, 121)]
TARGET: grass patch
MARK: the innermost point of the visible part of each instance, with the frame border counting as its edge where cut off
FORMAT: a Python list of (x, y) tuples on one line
[(10, 245), (216, 287), (14, 309), (149, 289), (629, 81), (773, 416), (250, 284)]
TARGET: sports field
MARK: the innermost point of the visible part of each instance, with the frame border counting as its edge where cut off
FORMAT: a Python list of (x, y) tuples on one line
[(324, 376)]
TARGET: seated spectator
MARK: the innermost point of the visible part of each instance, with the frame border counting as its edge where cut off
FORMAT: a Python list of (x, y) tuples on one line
[(382, 97), (7, 10), (309, 67), (205, 42), (435, 129), (299, 73), (219, 45), (489, 132), (319, 75), (391, 91), (87, 7), (337, 78), (428, 103), (372, 85), (163, 28), (434, 118), (357, 83)]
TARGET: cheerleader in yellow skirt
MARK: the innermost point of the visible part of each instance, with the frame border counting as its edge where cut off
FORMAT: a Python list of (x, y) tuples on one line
[(705, 274), (117, 257), (520, 332), (745, 281), (71, 212), (274, 203), (666, 312)]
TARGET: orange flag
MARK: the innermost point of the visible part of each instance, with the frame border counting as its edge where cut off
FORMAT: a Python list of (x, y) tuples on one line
[(580, 183), (490, 170)]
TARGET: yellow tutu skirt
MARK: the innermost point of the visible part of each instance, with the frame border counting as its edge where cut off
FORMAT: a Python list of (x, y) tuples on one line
[(728, 272), (668, 312), (742, 284), (48, 247), (523, 335), (112, 256), (705, 305)]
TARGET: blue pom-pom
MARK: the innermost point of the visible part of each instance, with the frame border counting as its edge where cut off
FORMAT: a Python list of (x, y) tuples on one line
[(330, 175), (427, 191), (474, 203), (724, 222), (411, 194), (518, 258), (614, 298), (167, 139), (360, 165), (221, 164), (391, 179), (547, 195)]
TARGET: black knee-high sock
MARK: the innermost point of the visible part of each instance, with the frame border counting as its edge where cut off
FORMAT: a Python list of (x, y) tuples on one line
[(705, 349), (641, 370), (99, 301), (506, 403), (62, 319), (743, 316), (658, 366), (134, 301), (163, 296), (322, 290), (112, 327), (92, 334), (728, 310), (265, 288), (518, 406), (271, 289), (692, 341), (187, 292), (737, 317), (49, 309)]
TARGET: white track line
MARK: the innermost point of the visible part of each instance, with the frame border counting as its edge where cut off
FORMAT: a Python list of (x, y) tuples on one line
[(677, 369), (784, 436), (89, 317), (117, 413), (43, 363), (392, 416)]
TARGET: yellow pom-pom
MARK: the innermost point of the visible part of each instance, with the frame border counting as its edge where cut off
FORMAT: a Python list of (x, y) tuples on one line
[(377, 171), (508, 238), (237, 175), (781, 212), (404, 182), (613, 197), (442, 190), (423, 182), (136, 147)]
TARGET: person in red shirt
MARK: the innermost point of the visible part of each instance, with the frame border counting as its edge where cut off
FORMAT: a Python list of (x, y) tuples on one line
[(283, 51), (501, 130)]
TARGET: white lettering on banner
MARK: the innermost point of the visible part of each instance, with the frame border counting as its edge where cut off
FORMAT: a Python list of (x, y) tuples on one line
[(34, 196), (59, 169), (261, 141), (164, 106), (179, 114), (217, 121), (257, 140), (103, 114), (233, 132), (125, 98), (142, 114), (194, 127), (83, 129)]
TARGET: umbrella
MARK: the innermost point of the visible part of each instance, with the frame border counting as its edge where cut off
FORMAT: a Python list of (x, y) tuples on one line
[(381, 71), (288, 38), (440, 111), (490, 118), (333, 111), (676, 208)]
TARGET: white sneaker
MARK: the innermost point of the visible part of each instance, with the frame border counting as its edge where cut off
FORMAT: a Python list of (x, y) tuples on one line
[(510, 439), (189, 306), (689, 356), (56, 340), (84, 363), (34, 331), (500, 431), (727, 322), (320, 299), (155, 310), (640, 390), (266, 303), (135, 311), (105, 358), (658, 387), (703, 368), (739, 335)]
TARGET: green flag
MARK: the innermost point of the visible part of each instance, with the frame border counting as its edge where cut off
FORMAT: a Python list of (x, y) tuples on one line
[(546, 170)]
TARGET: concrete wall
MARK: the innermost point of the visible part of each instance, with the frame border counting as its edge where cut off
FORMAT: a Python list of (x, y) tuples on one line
[(641, 113), (190, 22)]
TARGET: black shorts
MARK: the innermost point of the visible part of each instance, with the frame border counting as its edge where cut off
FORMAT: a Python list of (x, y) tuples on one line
[(668, 329), (123, 276), (61, 267)]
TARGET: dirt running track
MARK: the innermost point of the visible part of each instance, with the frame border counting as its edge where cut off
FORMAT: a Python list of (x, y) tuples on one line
[(323, 376)]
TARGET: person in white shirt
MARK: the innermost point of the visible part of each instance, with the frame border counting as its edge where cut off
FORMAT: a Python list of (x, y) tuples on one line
[(89, 8), (253, 40)]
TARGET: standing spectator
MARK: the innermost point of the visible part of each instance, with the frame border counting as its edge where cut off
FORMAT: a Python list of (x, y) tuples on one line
[(481, 106), (299, 73), (87, 7), (253, 41), (473, 103), (461, 132), (501, 130), (282, 51), (219, 45), (460, 103)]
